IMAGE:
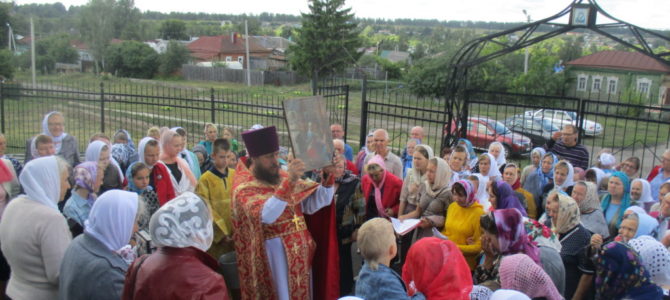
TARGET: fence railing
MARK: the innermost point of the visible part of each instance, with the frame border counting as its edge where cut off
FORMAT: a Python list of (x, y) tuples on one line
[(90, 109)]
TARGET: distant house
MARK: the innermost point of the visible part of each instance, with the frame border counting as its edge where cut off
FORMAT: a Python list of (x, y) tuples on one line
[(613, 75), (395, 56), (225, 48), (159, 45)]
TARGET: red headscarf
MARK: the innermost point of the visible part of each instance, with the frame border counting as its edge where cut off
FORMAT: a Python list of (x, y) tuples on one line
[(437, 268)]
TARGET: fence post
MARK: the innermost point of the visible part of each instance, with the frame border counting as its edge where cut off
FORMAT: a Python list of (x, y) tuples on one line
[(2, 107), (580, 120), (102, 107), (346, 110), (364, 112), (211, 100), (464, 116)]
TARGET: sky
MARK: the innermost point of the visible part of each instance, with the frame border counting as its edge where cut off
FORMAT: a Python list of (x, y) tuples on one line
[(645, 13)]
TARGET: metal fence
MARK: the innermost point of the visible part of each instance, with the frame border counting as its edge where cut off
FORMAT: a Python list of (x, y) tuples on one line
[(103, 107)]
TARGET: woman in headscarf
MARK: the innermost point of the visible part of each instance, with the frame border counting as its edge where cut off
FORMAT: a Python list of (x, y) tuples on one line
[(368, 149), (462, 222), (436, 198), (100, 152), (411, 187), (159, 178), (53, 125), (520, 273), (575, 239), (540, 178), (564, 179), (186, 154), (585, 193), (35, 252), (181, 176), (488, 167), (511, 176), (481, 190), (139, 177), (535, 158), (87, 180), (504, 233), (123, 149), (640, 193), (596, 176), (204, 159), (182, 230), (497, 150), (95, 263), (436, 268), (211, 133), (620, 274), (381, 190), (655, 258), (617, 200), (502, 196), (472, 155)]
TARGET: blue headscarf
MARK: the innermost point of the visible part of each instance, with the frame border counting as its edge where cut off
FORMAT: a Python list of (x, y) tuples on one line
[(625, 199), (471, 150), (545, 177), (131, 184)]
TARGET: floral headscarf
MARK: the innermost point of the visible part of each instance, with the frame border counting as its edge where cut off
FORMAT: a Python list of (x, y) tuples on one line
[(620, 273), (431, 262), (182, 222), (542, 235), (655, 258), (591, 201), (512, 236), (85, 176), (568, 214), (505, 197), (469, 191), (625, 198), (519, 272)]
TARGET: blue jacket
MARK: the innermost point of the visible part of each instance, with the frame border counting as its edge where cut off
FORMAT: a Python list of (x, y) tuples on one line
[(382, 284)]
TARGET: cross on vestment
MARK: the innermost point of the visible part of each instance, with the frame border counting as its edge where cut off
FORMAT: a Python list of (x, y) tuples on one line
[(296, 221)]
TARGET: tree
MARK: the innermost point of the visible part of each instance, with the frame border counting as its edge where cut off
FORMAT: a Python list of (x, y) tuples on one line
[(175, 56), (253, 25), (5, 8), (173, 30), (6, 66), (132, 59), (97, 27), (327, 41)]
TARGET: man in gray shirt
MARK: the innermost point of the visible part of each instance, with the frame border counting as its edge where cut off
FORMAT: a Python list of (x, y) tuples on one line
[(392, 161)]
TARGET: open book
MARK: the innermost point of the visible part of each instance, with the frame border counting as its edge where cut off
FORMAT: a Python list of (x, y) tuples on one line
[(403, 227)]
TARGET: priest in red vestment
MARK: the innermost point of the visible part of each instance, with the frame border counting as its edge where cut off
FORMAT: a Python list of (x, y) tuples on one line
[(274, 248)]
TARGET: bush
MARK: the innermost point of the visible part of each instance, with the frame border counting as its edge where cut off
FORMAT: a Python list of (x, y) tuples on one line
[(132, 59)]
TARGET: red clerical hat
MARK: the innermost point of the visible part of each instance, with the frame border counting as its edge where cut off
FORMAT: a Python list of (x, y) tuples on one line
[(261, 141)]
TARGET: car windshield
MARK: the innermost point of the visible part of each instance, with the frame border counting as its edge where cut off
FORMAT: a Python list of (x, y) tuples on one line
[(548, 125), (499, 127), (572, 115)]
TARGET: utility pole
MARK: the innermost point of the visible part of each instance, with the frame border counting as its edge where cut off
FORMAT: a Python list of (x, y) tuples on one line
[(32, 50), (525, 59), (9, 37), (246, 46)]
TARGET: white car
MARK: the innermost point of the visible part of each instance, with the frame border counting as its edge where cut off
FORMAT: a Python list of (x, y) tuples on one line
[(562, 117)]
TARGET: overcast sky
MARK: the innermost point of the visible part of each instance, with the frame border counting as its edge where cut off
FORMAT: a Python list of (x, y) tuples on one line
[(644, 13)]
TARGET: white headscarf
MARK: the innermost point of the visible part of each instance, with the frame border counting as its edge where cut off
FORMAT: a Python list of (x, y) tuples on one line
[(501, 160), (655, 258), (58, 140), (93, 154), (190, 159), (502, 294), (33, 148), (600, 174), (416, 177), (40, 180), (569, 181), (112, 218), (141, 146), (646, 191), (182, 222), (493, 171), (482, 195)]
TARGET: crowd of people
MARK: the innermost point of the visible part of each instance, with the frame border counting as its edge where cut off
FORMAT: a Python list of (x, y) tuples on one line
[(244, 219)]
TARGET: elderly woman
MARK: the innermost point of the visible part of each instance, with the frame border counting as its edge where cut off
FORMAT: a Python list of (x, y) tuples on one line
[(502, 196), (535, 158), (381, 190), (640, 193), (520, 273), (616, 201), (462, 223), (620, 274), (437, 269), (504, 233), (182, 230), (498, 151), (585, 193), (87, 180), (100, 152), (575, 239), (181, 176), (159, 177), (53, 125), (95, 264), (35, 252)]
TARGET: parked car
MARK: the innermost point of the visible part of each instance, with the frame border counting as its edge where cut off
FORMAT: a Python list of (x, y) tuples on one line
[(483, 131), (562, 117), (538, 130)]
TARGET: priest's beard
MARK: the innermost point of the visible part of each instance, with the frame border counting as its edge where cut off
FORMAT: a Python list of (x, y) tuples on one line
[(267, 175)]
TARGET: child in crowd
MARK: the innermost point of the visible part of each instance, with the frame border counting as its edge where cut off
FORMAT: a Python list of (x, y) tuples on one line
[(227, 133), (87, 180), (376, 281), (154, 132), (214, 188), (139, 175), (42, 145), (232, 160)]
